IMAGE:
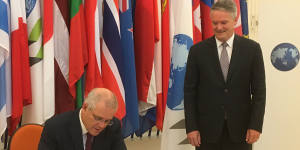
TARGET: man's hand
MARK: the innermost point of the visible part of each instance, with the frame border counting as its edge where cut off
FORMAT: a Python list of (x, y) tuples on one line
[(194, 138), (252, 136)]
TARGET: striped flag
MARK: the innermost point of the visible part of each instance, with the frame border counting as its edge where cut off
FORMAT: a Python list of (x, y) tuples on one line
[(131, 120), (165, 48), (21, 86), (244, 17), (197, 35), (61, 23), (238, 26), (4, 53), (174, 135), (206, 25), (111, 57), (34, 113)]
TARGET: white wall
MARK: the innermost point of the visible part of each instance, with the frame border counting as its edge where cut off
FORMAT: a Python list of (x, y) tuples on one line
[(279, 21)]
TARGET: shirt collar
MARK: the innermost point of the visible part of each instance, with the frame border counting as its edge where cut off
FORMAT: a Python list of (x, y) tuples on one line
[(229, 41), (84, 130)]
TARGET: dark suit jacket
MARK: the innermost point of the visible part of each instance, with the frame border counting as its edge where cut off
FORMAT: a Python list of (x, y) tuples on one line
[(63, 132), (207, 97)]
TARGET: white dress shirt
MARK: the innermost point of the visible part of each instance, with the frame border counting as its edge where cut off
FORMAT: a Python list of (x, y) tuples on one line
[(84, 130), (228, 48)]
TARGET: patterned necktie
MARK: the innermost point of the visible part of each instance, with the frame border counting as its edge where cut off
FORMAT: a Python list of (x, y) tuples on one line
[(89, 141), (224, 60)]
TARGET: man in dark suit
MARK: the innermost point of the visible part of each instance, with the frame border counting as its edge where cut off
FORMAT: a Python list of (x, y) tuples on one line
[(224, 89), (89, 128)]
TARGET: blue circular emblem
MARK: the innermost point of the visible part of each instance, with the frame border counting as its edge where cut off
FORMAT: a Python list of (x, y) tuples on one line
[(285, 57), (180, 51)]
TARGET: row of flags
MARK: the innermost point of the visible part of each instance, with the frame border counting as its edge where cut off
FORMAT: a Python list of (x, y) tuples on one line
[(53, 52)]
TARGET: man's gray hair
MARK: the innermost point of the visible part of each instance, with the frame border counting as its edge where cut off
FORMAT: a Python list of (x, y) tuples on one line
[(101, 94), (225, 5)]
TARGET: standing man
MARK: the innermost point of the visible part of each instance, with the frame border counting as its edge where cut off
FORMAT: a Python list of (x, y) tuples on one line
[(224, 89), (89, 128)]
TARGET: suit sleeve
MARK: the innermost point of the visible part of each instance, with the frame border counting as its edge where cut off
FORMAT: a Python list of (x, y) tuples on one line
[(190, 91), (118, 141), (47, 141), (258, 91)]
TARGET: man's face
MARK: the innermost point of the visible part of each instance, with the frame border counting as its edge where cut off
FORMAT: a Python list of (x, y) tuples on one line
[(97, 119), (223, 24)]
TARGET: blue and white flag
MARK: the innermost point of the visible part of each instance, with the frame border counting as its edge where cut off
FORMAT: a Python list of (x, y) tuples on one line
[(4, 53), (181, 31)]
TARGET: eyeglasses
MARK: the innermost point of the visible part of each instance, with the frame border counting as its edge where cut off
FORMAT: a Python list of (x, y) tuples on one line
[(101, 120)]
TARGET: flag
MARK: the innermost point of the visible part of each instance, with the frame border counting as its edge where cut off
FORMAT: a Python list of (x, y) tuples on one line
[(78, 56), (93, 76), (8, 76), (79, 92), (130, 122), (61, 23), (238, 26), (111, 57), (165, 45), (158, 55), (144, 40), (4, 53), (244, 17), (174, 134), (48, 64), (34, 113), (148, 60), (197, 35), (3, 123), (206, 25), (21, 86)]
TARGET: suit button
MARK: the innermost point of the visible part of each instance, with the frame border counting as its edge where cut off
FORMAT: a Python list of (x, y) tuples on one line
[(226, 90)]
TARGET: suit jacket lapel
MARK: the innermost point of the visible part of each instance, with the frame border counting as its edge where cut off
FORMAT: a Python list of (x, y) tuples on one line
[(75, 131), (234, 58), (213, 45)]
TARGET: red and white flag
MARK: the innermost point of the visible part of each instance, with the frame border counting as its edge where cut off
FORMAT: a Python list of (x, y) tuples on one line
[(146, 33), (48, 45), (197, 34), (238, 27), (61, 22)]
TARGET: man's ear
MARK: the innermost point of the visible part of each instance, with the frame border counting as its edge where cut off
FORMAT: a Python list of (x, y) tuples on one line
[(84, 106)]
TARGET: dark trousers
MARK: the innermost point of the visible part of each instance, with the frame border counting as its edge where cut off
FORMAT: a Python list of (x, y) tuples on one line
[(225, 143)]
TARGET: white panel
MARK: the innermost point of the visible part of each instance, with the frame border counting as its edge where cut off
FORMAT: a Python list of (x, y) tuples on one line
[(279, 22)]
